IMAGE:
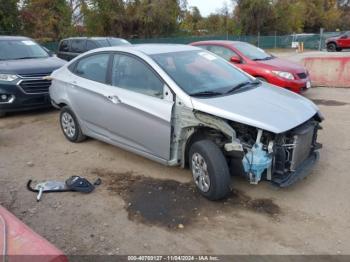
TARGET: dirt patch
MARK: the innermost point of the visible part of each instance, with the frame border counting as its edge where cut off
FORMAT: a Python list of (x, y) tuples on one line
[(13, 125), (18, 124), (172, 204), (329, 102)]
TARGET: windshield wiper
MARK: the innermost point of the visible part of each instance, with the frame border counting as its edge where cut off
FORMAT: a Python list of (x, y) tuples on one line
[(244, 84), (207, 93), (29, 57)]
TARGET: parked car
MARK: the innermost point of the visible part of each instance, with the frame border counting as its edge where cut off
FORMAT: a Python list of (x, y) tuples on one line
[(23, 64), (18, 242), (338, 43), (262, 65), (182, 105), (72, 47)]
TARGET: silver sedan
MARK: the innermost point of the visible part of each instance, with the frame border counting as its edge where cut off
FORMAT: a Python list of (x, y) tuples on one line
[(181, 105)]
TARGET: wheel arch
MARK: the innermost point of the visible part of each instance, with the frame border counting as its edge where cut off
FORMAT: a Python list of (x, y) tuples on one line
[(201, 133)]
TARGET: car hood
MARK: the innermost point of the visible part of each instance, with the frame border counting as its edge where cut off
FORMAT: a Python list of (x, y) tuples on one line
[(283, 65), (334, 38), (266, 107), (31, 66)]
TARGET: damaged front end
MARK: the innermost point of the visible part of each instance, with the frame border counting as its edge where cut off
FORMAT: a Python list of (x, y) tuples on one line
[(280, 158)]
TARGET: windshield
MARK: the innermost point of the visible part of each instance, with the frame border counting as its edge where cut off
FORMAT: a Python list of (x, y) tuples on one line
[(200, 72), (252, 52), (20, 49)]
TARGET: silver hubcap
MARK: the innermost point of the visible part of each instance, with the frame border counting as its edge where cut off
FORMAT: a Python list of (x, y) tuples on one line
[(68, 124), (200, 172)]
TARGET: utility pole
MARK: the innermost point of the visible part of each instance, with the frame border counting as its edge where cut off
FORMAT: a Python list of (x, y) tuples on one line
[(275, 39), (321, 37)]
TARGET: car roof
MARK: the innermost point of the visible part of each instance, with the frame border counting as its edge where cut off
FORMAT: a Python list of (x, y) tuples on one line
[(152, 49), (220, 42), (10, 37), (91, 38)]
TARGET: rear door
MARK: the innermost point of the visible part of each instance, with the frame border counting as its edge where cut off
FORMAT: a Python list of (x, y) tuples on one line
[(88, 90)]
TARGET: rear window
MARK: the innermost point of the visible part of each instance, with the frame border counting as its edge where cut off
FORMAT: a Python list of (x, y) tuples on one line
[(64, 46)]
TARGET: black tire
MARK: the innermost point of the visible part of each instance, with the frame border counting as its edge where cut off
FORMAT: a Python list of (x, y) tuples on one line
[(217, 169), (331, 47), (76, 136)]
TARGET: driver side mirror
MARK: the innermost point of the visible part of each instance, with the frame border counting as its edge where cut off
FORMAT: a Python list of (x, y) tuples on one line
[(235, 60)]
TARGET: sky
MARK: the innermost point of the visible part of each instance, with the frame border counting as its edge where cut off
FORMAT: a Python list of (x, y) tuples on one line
[(208, 6)]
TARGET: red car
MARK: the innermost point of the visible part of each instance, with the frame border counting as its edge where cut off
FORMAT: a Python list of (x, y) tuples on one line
[(260, 64), (338, 43)]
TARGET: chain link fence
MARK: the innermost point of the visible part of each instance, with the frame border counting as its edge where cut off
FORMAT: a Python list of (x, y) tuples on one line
[(311, 41)]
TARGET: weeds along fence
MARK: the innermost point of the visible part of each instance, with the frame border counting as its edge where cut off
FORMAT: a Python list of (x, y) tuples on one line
[(311, 41)]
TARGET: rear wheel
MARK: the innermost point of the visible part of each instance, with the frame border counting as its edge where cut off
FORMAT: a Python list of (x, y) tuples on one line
[(331, 47), (70, 126), (210, 170)]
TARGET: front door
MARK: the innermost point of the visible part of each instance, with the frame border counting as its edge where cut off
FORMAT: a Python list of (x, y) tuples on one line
[(344, 41), (138, 113)]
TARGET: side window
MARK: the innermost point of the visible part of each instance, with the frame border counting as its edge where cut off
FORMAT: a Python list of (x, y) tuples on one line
[(64, 46), (132, 74), (78, 45), (93, 67), (90, 45), (222, 51)]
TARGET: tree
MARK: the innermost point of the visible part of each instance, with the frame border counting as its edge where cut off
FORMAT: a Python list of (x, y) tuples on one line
[(290, 16), (103, 18), (46, 19), (255, 16), (192, 20), (9, 22)]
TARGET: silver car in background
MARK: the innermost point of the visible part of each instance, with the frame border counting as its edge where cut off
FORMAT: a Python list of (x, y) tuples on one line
[(181, 105)]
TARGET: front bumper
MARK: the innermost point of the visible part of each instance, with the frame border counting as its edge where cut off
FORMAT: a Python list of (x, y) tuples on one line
[(303, 171), (21, 101), (296, 85)]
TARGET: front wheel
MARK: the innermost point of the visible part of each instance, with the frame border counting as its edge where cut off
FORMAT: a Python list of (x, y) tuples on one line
[(210, 170), (332, 47), (70, 126)]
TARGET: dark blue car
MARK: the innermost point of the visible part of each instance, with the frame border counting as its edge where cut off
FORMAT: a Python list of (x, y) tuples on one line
[(23, 66)]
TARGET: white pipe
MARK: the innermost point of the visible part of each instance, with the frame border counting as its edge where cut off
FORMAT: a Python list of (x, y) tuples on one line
[(258, 138)]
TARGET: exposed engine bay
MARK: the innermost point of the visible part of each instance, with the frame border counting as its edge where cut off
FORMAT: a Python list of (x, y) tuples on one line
[(280, 158), (259, 154)]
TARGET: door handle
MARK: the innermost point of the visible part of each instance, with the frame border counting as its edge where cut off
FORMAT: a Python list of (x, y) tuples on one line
[(114, 99)]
